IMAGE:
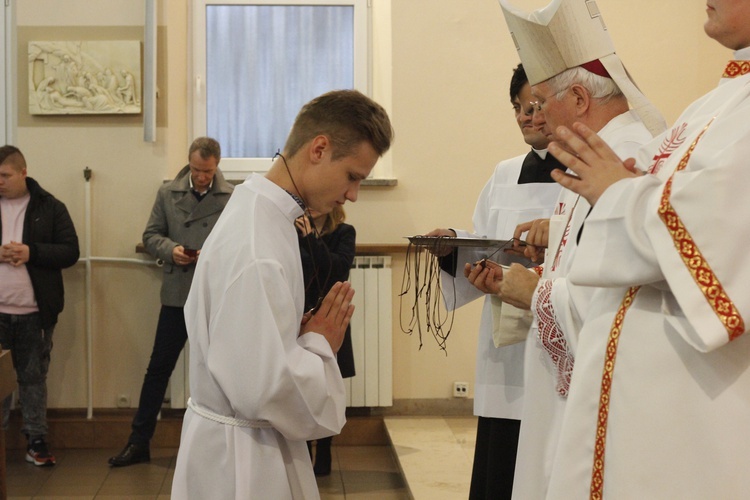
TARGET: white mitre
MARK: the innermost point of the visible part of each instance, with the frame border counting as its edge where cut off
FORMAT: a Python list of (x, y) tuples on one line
[(570, 33)]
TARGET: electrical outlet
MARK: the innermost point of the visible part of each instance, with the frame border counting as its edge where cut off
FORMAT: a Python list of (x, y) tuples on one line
[(123, 401), (460, 389)]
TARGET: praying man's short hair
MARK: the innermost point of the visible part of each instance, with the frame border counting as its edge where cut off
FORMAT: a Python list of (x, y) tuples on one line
[(347, 118), (11, 155), (207, 147), (517, 81)]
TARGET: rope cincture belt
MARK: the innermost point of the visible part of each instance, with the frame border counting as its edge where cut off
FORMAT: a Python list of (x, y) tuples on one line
[(237, 422)]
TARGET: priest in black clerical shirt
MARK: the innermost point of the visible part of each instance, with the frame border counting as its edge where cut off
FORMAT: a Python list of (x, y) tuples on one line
[(520, 189)]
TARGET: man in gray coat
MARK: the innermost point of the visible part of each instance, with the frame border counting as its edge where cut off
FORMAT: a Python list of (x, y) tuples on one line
[(184, 213)]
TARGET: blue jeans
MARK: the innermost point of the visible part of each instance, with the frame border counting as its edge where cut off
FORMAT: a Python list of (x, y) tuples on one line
[(30, 348), (171, 335)]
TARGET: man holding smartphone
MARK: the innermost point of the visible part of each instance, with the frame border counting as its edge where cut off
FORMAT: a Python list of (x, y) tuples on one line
[(185, 211)]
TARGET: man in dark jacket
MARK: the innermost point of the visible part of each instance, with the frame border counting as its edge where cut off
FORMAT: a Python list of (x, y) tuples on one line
[(38, 241), (185, 211)]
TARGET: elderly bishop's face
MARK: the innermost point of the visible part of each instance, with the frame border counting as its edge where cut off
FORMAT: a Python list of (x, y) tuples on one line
[(729, 22), (551, 112)]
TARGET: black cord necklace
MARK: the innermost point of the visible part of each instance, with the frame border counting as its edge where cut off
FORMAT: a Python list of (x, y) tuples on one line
[(315, 278)]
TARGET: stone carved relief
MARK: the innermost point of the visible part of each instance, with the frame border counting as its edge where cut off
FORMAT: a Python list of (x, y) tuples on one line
[(102, 77)]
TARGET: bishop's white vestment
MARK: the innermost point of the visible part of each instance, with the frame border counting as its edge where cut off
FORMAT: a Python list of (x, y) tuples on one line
[(558, 308), (659, 400), (258, 391)]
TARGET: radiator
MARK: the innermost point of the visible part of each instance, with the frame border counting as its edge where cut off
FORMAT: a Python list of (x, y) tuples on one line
[(371, 333), (371, 340)]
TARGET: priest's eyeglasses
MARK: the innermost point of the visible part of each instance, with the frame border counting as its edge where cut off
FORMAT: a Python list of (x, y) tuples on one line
[(541, 102)]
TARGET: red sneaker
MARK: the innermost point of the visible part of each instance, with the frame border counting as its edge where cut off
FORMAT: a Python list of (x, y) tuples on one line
[(38, 454)]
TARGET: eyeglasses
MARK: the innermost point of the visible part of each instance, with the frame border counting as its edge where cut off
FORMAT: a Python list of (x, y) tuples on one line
[(539, 104)]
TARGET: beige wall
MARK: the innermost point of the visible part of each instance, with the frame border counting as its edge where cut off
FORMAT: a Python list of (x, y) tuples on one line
[(451, 62)]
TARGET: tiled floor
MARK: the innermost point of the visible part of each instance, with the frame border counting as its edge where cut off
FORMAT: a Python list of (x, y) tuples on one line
[(430, 460), (359, 473), (435, 454)]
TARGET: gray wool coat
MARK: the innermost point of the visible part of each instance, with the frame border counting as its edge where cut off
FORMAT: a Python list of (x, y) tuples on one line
[(179, 219)]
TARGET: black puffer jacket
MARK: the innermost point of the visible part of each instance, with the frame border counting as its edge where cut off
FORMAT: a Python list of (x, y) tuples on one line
[(53, 245)]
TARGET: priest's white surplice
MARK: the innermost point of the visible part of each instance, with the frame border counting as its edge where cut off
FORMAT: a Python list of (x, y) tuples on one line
[(501, 206)]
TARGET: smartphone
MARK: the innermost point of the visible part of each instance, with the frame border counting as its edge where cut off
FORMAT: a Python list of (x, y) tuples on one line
[(190, 252)]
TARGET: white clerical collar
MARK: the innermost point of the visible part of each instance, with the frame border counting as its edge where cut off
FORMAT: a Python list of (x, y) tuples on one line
[(541, 153)]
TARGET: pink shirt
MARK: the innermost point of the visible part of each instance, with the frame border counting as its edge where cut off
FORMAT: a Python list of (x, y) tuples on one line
[(16, 292)]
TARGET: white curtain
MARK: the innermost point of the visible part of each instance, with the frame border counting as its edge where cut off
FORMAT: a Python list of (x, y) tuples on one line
[(264, 62)]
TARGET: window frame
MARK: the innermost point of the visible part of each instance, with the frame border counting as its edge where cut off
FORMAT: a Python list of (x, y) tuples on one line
[(239, 168)]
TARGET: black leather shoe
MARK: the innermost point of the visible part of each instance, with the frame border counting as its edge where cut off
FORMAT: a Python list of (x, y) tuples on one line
[(131, 454)]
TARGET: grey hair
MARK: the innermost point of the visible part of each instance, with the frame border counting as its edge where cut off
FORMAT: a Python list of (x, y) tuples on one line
[(598, 87)]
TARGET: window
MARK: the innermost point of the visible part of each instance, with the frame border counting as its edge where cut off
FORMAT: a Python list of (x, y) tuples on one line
[(255, 63)]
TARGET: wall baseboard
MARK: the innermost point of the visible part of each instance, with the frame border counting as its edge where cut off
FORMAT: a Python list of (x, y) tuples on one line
[(110, 428)]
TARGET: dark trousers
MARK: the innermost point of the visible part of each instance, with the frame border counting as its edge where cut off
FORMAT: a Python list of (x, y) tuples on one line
[(171, 335), (30, 348), (494, 459)]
